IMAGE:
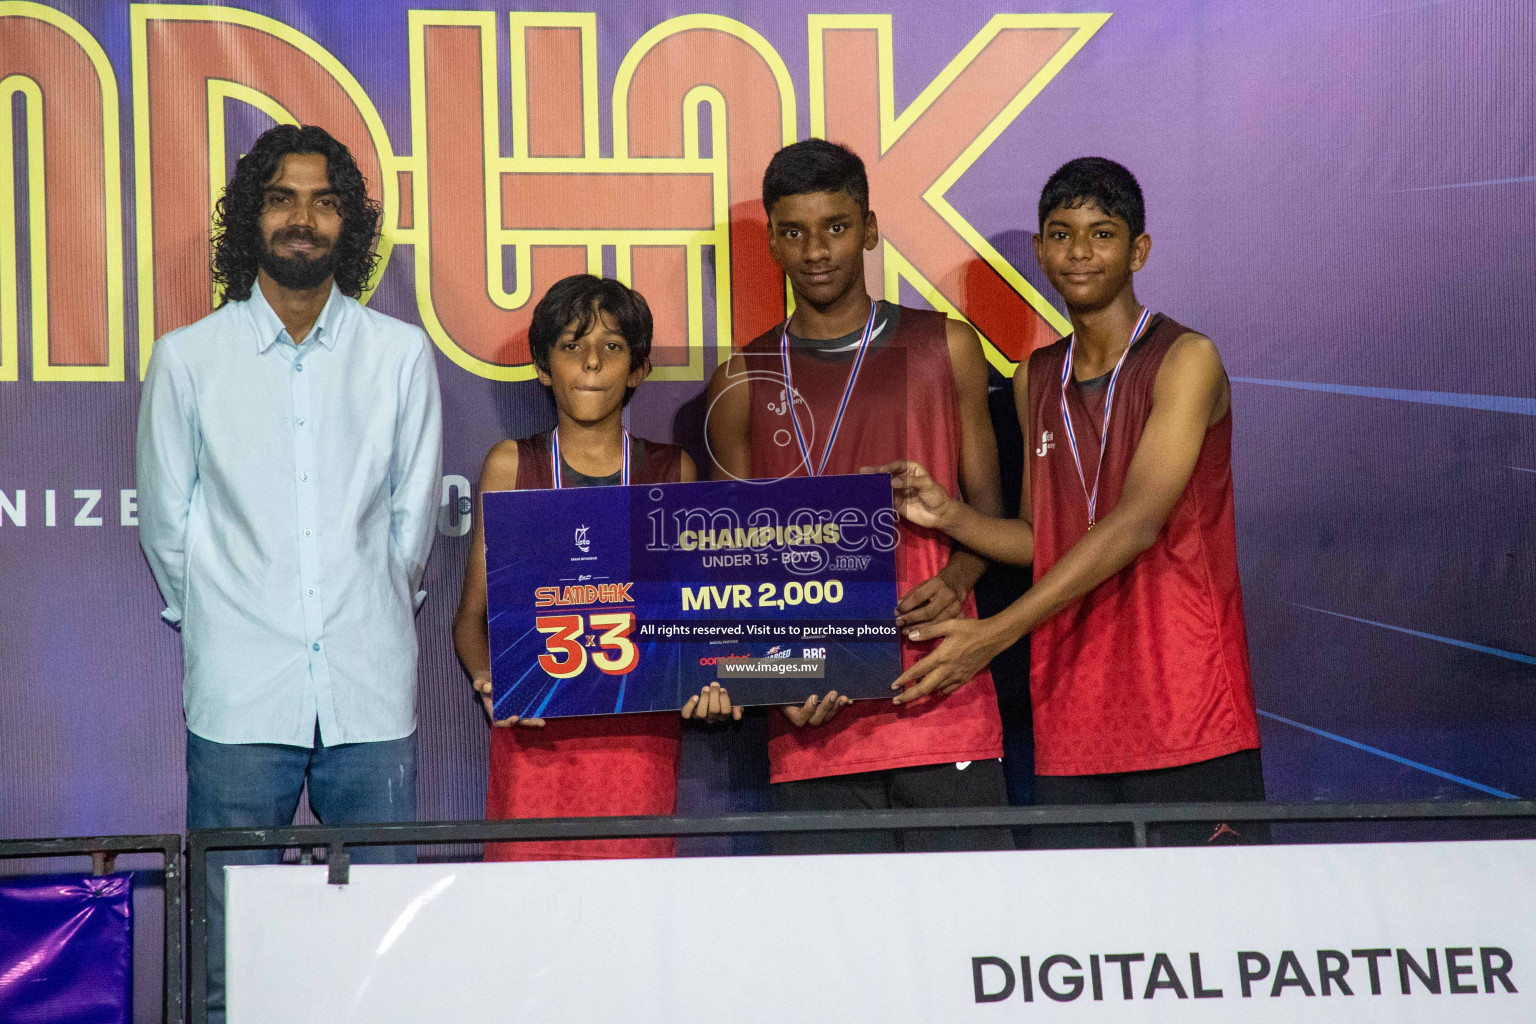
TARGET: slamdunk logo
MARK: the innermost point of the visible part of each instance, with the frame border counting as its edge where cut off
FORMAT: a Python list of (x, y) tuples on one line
[(487, 195)]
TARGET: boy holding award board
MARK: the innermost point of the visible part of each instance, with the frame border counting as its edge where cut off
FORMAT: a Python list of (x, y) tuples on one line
[(845, 383), (590, 340), (1141, 687)]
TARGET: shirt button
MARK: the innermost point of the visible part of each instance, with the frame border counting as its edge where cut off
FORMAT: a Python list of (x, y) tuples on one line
[(304, 477), (315, 646), (311, 591), (301, 421), (308, 532), (298, 367)]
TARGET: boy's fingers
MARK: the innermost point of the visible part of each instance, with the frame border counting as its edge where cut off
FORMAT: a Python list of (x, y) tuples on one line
[(917, 671), (802, 714), (929, 630), (924, 593), (923, 688), (941, 608), (827, 708)]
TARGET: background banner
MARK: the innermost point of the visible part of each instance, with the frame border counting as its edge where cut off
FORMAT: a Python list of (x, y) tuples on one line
[(1339, 193), (1386, 932)]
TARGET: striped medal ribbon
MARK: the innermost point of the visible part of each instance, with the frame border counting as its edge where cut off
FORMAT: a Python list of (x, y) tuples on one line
[(842, 406), (1109, 408), (556, 463)]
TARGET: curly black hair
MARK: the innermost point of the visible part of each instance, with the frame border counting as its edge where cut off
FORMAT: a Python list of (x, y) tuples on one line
[(237, 241)]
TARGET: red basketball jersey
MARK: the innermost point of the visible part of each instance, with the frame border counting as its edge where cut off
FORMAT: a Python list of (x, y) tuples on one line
[(1150, 669), (903, 407), (602, 765)]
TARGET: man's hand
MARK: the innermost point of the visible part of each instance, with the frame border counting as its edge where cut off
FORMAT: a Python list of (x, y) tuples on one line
[(918, 496), (712, 704), (483, 688), (815, 710), (969, 646)]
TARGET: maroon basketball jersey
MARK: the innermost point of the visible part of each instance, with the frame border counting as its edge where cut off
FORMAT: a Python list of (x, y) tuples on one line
[(602, 765), (1149, 669), (903, 407)]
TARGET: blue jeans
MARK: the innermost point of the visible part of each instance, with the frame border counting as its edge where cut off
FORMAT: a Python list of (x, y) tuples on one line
[(251, 785)]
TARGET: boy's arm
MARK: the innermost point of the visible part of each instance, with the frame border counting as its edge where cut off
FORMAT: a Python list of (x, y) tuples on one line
[(471, 635), (920, 499), (727, 422), (1190, 394), (939, 598), (1024, 413)]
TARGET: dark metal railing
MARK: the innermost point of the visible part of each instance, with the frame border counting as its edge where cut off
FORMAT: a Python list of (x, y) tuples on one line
[(189, 889), (1143, 820)]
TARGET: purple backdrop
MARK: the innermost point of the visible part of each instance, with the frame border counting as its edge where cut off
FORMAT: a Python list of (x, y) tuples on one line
[(1340, 193)]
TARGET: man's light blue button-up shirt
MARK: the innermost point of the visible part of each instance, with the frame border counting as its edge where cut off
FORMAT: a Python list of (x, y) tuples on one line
[(287, 501)]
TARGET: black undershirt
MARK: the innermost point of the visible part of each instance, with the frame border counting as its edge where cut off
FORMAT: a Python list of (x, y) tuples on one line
[(887, 323), (1101, 381), (572, 477)]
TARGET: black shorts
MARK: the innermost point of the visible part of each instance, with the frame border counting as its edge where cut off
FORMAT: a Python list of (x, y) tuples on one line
[(1234, 778), (967, 784)]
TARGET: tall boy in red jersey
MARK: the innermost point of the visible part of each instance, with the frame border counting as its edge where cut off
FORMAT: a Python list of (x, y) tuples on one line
[(845, 382), (1139, 656)]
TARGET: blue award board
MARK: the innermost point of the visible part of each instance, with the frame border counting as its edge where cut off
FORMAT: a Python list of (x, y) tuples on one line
[(605, 600)]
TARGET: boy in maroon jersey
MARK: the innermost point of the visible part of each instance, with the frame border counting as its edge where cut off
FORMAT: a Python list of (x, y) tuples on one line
[(591, 341), (1139, 656), (918, 392)]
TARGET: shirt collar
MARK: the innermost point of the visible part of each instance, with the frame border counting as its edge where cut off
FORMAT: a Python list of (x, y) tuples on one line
[(269, 326)]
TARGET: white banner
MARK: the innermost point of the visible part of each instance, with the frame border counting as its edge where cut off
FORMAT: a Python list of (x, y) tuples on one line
[(1384, 932)]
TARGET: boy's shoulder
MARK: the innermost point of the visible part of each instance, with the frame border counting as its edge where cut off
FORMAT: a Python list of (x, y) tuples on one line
[(532, 442), (505, 454), (1047, 353)]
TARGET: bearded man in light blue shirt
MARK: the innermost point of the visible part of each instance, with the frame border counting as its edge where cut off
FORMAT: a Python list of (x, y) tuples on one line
[(289, 451)]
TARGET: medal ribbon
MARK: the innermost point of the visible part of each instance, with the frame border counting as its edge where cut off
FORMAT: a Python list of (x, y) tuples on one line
[(1109, 408), (842, 406), (556, 463)]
